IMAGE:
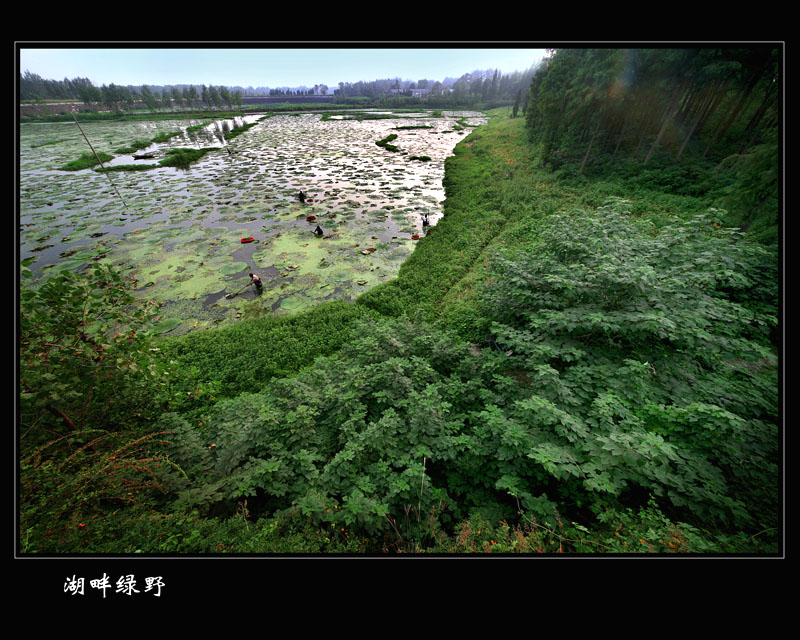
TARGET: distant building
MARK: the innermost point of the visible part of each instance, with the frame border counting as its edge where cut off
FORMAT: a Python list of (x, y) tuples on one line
[(417, 93)]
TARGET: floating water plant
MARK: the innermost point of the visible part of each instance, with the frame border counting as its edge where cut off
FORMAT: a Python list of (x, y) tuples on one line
[(166, 325), (183, 157), (384, 142), (166, 136), (134, 146), (44, 144), (86, 161), (126, 167), (237, 131)]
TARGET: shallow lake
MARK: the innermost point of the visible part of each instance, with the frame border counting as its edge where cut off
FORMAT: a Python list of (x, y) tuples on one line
[(179, 231)]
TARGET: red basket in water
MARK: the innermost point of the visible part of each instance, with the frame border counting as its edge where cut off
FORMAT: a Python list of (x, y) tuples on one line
[(310, 218), (244, 240)]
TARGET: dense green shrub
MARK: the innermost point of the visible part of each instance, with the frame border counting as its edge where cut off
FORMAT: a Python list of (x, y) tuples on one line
[(343, 442), (69, 486), (90, 387), (752, 196), (85, 361), (631, 342)]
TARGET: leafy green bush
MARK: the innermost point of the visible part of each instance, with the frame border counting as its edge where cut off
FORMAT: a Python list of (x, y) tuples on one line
[(85, 361), (69, 486), (138, 529), (753, 195), (634, 352), (90, 387), (354, 440), (646, 530)]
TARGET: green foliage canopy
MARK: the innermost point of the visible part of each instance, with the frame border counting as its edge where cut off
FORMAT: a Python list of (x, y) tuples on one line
[(634, 341)]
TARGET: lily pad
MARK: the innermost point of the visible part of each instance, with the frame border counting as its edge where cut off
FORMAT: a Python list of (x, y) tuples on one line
[(234, 267), (292, 303), (166, 325)]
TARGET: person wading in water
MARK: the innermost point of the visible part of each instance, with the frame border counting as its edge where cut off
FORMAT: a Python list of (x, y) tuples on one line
[(255, 280)]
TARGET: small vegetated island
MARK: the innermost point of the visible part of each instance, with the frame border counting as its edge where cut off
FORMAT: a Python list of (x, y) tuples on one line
[(579, 357)]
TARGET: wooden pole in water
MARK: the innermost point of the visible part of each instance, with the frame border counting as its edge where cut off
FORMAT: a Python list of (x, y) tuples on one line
[(98, 159)]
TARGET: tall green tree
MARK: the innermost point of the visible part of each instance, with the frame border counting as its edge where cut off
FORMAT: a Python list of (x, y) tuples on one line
[(148, 97), (214, 97), (177, 96), (226, 97), (646, 103)]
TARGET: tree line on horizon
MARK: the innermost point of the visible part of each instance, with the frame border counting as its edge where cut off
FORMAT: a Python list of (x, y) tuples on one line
[(478, 85), (484, 85), (120, 97)]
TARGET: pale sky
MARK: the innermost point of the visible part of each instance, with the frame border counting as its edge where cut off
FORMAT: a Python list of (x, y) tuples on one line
[(289, 64)]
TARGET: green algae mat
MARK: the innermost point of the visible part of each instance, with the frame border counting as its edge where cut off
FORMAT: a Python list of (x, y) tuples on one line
[(179, 232)]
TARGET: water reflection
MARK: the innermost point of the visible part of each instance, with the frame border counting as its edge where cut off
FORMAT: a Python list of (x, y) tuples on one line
[(210, 135)]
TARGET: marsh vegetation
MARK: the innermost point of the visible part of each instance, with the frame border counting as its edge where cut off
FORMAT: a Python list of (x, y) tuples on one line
[(185, 192)]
